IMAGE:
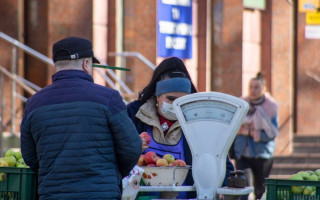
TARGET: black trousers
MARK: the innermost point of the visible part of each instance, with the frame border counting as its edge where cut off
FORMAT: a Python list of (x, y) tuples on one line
[(256, 169)]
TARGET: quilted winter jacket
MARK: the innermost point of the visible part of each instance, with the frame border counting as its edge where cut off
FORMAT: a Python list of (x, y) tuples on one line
[(79, 138)]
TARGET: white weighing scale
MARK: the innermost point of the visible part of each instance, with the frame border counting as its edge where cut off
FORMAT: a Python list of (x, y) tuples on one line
[(210, 122)]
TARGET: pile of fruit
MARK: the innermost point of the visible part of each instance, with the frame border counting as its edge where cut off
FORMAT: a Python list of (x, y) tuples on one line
[(305, 176), (12, 159), (151, 159)]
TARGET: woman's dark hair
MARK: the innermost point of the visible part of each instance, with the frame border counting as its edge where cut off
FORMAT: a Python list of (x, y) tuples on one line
[(259, 77), (168, 68)]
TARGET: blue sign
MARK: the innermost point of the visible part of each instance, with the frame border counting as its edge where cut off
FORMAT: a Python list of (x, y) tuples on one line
[(174, 28)]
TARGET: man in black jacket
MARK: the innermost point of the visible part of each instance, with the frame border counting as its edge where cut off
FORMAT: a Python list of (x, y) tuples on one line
[(77, 134)]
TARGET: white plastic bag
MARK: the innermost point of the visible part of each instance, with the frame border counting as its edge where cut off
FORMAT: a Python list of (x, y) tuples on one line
[(131, 183)]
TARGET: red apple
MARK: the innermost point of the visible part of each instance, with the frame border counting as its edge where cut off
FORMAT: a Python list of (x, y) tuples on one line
[(146, 136), (169, 158), (170, 164), (151, 165), (150, 157), (179, 163), (161, 162), (141, 161)]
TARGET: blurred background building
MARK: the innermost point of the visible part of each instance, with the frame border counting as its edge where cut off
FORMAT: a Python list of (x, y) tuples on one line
[(229, 42)]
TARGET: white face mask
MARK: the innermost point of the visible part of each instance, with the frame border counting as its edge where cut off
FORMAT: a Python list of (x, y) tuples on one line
[(167, 111)]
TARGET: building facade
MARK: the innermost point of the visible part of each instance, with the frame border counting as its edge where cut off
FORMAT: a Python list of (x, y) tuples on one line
[(231, 43)]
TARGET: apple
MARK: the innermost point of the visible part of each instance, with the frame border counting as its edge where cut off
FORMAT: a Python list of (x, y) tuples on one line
[(11, 160), (169, 158), (179, 163), (22, 166), (305, 175), (317, 172), (297, 177), (18, 155), (170, 164), (2, 176), (161, 162), (307, 190), (313, 178), (311, 172), (151, 165), (141, 161), (3, 163), (150, 157), (296, 189), (9, 153), (146, 136), (20, 162)]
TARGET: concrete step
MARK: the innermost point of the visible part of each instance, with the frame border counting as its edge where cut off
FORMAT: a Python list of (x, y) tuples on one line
[(280, 176), (306, 138), (306, 147), (305, 156), (289, 169), (298, 158)]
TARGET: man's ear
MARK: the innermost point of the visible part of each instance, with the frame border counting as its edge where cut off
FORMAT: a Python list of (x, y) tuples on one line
[(85, 65)]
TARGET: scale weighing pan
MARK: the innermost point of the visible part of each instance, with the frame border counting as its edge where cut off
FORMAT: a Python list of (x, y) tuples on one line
[(210, 122)]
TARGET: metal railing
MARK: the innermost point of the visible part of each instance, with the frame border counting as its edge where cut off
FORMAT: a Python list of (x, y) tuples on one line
[(49, 61), (108, 75), (134, 54), (4, 73)]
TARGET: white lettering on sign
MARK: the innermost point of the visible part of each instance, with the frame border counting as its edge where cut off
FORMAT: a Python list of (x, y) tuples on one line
[(186, 3), (175, 13), (167, 27), (177, 43)]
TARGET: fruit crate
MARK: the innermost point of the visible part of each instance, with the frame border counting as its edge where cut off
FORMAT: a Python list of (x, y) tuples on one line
[(281, 189), (18, 184)]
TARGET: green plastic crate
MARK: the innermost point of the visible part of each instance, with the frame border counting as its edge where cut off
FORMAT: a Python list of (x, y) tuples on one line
[(280, 189), (18, 184)]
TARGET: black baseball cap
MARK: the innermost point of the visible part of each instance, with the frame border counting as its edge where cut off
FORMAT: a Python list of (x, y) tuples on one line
[(72, 48)]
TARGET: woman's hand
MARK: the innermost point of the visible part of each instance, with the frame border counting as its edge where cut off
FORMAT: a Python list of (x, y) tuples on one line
[(144, 144), (244, 129)]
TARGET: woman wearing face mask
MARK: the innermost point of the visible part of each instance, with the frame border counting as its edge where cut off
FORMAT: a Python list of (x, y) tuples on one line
[(254, 144), (153, 113)]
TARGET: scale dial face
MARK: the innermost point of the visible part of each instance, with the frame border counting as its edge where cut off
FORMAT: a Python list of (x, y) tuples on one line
[(208, 110)]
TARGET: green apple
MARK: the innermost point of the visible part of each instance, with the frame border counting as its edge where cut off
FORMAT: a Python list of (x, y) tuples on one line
[(2, 176), (9, 153), (296, 177), (307, 190), (18, 155), (313, 178), (22, 166), (305, 175), (11, 161), (3, 163), (317, 172), (296, 189), (20, 162), (311, 172), (169, 158)]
